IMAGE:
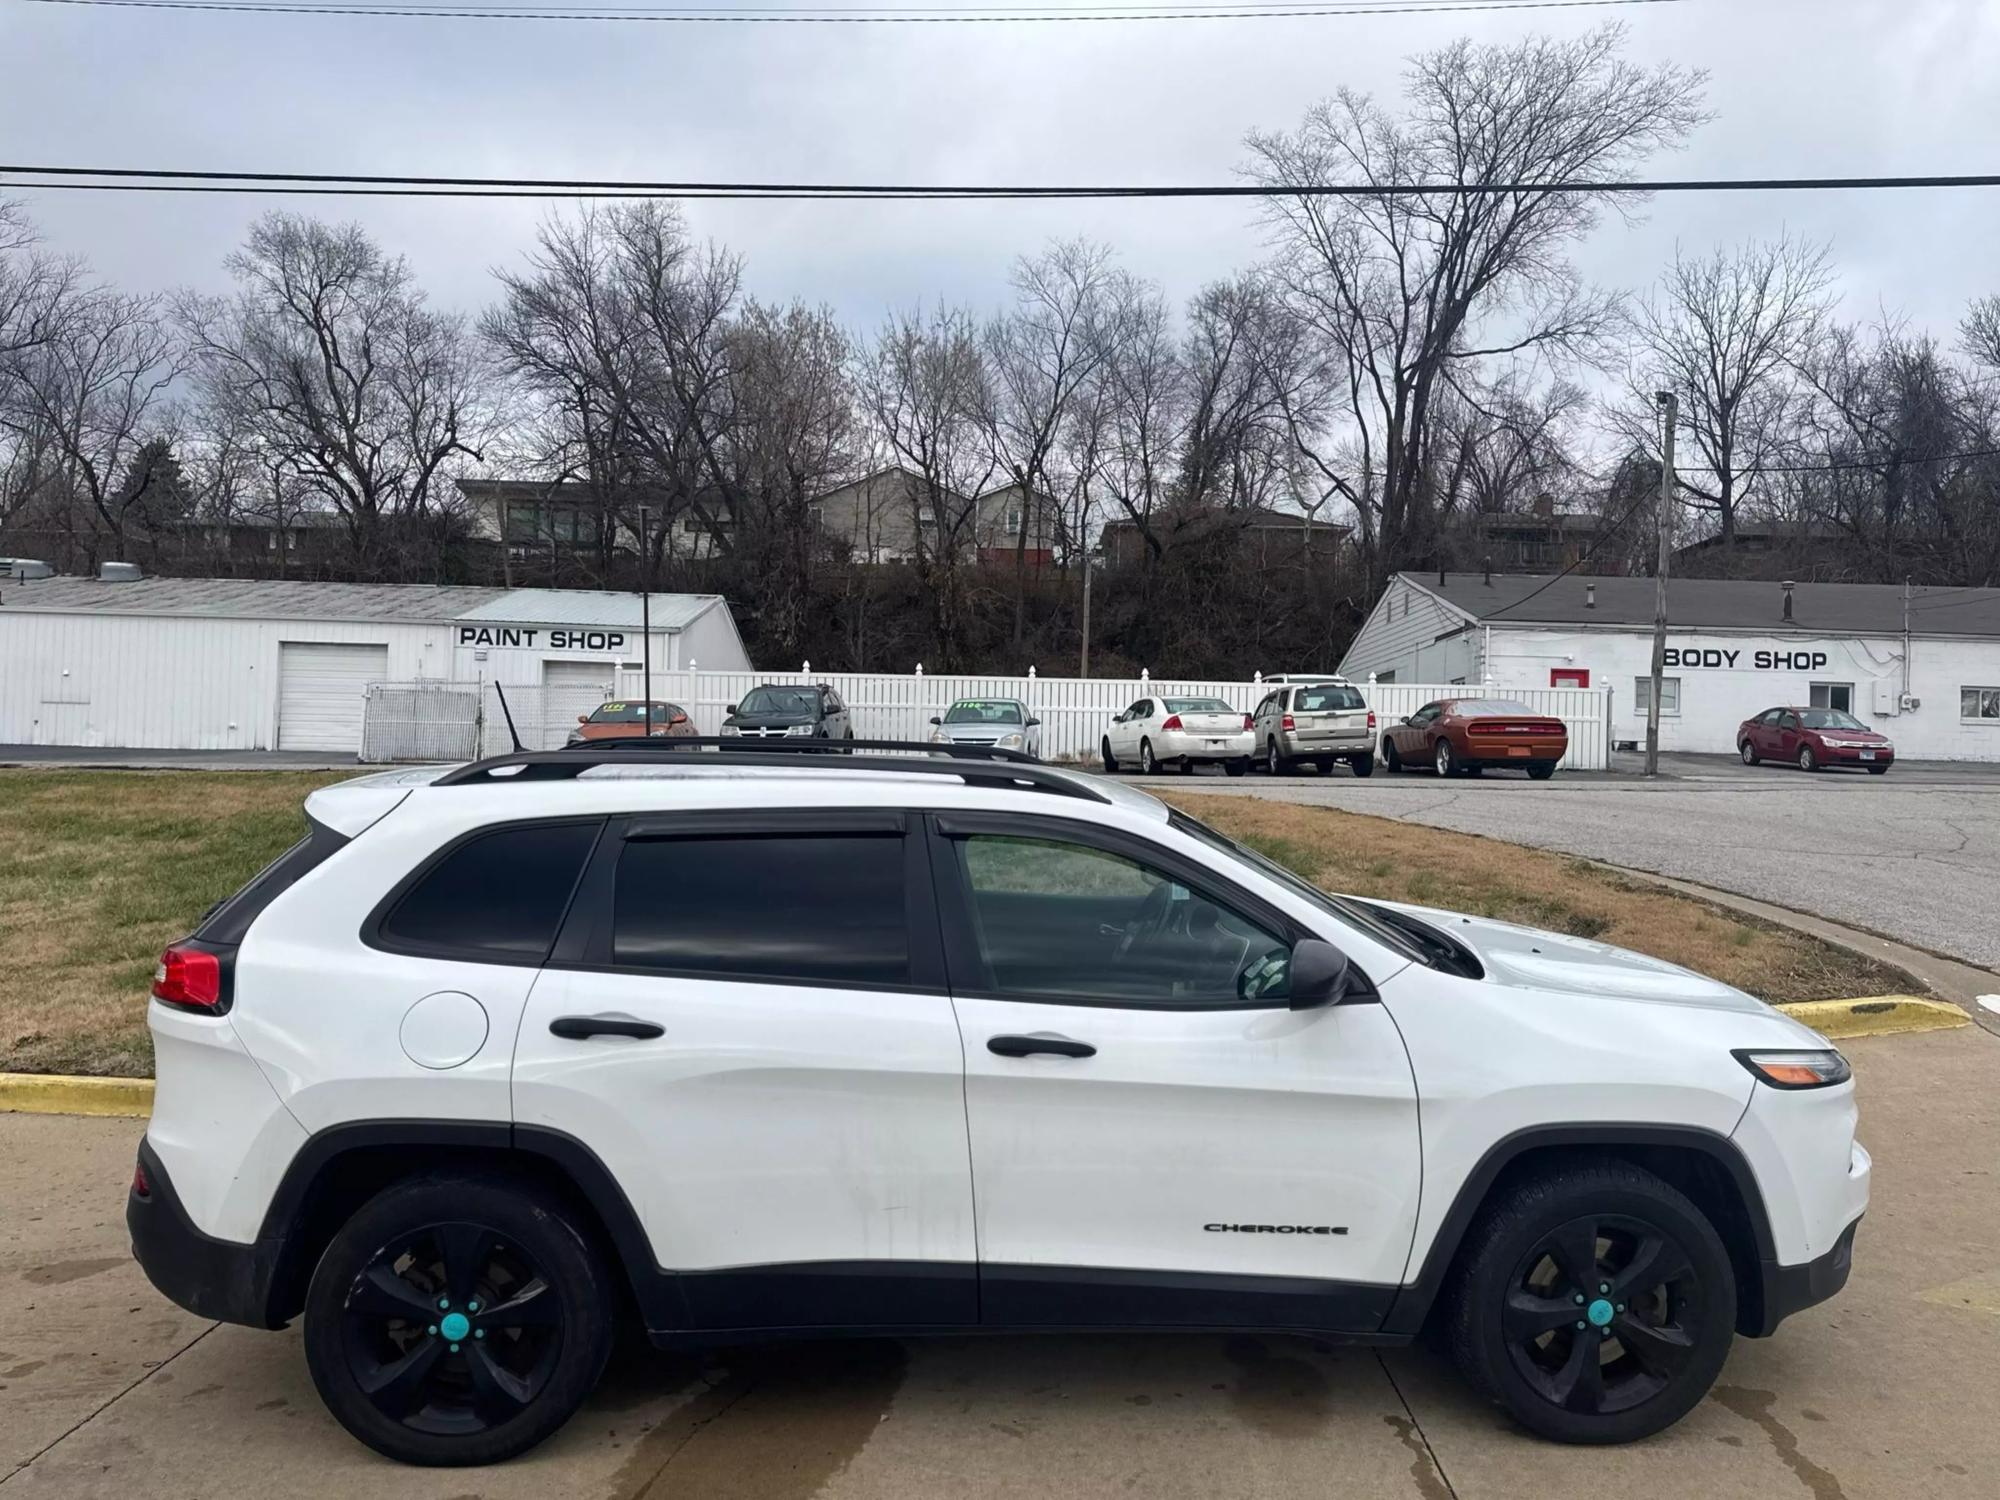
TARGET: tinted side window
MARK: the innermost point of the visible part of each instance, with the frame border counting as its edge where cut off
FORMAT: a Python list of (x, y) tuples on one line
[(823, 908), (501, 893), (1056, 920)]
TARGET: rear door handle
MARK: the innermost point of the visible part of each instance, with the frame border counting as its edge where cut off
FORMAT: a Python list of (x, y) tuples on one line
[(577, 1028), (1041, 1044)]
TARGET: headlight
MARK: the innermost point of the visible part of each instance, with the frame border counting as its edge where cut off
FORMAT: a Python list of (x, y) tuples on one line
[(1797, 1070), (730, 729), (939, 737), (798, 729), (1009, 742)]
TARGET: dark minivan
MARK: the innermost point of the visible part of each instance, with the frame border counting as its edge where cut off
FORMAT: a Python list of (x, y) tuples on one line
[(773, 711)]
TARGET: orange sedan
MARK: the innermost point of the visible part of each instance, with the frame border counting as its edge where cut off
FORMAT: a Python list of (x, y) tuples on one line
[(627, 718), (1463, 736)]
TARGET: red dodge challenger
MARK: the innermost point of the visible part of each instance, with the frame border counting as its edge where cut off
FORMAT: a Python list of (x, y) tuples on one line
[(1813, 739), (1463, 736)]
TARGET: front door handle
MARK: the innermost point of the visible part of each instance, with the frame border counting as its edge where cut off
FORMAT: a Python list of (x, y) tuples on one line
[(1041, 1044), (577, 1028)]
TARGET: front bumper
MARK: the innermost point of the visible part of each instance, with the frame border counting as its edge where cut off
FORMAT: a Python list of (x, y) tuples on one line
[(1842, 755), (211, 1278), (1790, 1289), (1173, 746)]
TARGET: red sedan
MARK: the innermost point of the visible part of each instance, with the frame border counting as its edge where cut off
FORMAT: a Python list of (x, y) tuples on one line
[(1813, 739), (1463, 736)]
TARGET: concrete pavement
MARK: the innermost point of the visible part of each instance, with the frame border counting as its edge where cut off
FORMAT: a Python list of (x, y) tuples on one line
[(108, 1391), (1915, 857)]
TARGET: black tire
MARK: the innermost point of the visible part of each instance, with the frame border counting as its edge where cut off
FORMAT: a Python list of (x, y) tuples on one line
[(1274, 763), (1390, 758), (1237, 767), (1542, 770), (1110, 760), (1147, 765), (1445, 759), (455, 1243), (1807, 760), (1878, 770), (1364, 765), (1749, 753), (1668, 1337), (1187, 765)]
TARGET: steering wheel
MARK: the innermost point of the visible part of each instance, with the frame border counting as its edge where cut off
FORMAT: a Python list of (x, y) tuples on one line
[(1149, 919)]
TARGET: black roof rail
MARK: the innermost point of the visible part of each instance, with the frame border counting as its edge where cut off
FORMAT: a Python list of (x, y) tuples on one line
[(982, 763)]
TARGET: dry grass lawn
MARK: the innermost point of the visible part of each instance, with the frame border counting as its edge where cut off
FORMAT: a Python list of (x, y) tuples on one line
[(1363, 856), (99, 870)]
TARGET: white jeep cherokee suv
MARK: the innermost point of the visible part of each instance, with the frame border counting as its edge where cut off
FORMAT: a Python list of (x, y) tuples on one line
[(501, 1058)]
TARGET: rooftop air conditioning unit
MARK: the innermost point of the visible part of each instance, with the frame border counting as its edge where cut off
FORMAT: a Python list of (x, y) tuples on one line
[(119, 572)]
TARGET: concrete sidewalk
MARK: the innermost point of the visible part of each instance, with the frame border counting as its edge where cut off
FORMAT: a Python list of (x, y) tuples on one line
[(106, 1390)]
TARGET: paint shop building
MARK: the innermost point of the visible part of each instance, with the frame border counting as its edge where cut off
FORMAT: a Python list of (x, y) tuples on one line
[(243, 664), (1923, 669)]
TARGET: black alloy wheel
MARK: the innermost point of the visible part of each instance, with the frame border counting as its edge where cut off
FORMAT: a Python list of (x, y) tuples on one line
[(1603, 1312), (457, 1320)]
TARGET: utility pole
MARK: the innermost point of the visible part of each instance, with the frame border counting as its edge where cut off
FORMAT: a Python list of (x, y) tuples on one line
[(1083, 656), (1669, 409), (646, 608)]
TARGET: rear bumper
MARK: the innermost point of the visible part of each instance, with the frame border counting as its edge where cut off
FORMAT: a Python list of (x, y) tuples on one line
[(211, 1278), (1500, 752), (1300, 747), (1239, 746), (1790, 1289)]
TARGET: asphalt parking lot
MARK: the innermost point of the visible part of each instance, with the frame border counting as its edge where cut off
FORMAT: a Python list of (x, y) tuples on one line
[(106, 1390), (1914, 855)]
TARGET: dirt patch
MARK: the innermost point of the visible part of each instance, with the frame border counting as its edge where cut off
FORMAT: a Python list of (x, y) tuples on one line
[(1376, 857)]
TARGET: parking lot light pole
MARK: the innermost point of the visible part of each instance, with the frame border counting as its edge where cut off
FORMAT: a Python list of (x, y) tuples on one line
[(646, 610), (1668, 409)]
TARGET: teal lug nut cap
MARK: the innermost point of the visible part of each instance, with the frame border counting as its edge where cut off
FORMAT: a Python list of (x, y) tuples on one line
[(456, 1326), (1599, 1313)]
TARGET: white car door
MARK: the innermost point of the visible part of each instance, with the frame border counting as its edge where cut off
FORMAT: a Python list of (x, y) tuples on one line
[(745, 1020), (1125, 729), (1154, 1141)]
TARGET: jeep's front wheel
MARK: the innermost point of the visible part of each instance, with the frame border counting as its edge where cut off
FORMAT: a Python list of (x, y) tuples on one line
[(457, 1320), (1597, 1304)]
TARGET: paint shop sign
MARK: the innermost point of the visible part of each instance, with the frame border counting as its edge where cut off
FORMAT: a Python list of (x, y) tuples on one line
[(1745, 658), (535, 638)]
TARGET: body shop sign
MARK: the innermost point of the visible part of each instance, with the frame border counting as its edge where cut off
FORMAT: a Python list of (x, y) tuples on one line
[(1745, 658), (535, 637)]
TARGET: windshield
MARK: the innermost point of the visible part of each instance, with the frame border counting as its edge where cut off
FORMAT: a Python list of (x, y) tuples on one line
[(984, 711), (1354, 913), (1326, 700), (1830, 718), (1197, 706), (631, 713), (779, 700)]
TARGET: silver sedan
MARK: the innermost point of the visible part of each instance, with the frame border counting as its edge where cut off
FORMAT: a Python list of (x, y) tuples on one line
[(1002, 722)]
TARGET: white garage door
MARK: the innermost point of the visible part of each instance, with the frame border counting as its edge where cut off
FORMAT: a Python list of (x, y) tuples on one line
[(320, 691), (579, 676)]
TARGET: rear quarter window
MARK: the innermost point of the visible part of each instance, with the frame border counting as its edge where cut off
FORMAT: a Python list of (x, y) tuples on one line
[(498, 896)]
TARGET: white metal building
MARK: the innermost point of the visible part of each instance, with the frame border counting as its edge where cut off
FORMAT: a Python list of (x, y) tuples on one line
[(240, 664), (1921, 667)]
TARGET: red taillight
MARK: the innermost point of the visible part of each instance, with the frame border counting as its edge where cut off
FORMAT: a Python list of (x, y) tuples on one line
[(1371, 718), (188, 976), (140, 1187), (1288, 724), (1249, 722), (1173, 722)]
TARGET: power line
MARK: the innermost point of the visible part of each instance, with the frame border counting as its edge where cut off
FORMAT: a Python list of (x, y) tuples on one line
[(149, 179), (1001, 13)]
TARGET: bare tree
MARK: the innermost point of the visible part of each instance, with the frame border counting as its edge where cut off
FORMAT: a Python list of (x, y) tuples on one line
[(1042, 354), (351, 383), (1725, 332), (1408, 288)]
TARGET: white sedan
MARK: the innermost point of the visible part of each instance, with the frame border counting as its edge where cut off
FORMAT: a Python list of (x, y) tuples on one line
[(1156, 732)]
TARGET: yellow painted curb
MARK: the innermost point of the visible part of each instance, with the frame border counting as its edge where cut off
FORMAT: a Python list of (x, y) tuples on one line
[(1875, 1015), (55, 1094)]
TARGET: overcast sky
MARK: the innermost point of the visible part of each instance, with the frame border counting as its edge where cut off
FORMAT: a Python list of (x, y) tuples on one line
[(1805, 87)]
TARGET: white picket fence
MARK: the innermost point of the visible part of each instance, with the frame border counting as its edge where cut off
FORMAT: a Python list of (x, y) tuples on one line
[(430, 721)]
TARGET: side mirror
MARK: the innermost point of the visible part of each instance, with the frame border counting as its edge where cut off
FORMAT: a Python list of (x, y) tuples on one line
[(731, 709), (1409, 718), (936, 720), (583, 718), (1033, 722), (1319, 975)]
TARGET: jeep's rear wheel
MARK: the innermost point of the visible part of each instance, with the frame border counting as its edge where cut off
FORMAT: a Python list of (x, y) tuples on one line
[(1597, 1304), (457, 1320)]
